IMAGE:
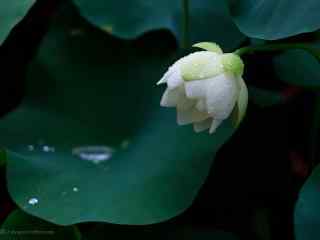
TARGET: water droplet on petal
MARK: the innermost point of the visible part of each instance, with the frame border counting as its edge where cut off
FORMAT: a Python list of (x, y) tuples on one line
[(33, 201), (95, 154)]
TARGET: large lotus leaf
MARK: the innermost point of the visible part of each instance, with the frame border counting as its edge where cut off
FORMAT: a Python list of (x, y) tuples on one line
[(298, 67), (209, 19), (11, 12), (22, 226), (87, 89), (274, 19), (307, 210)]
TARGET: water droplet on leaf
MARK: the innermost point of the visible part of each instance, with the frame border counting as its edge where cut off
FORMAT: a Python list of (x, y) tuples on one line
[(95, 154), (48, 149), (33, 201)]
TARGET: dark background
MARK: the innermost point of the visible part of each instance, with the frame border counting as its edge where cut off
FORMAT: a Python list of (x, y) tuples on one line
[(269, 154)]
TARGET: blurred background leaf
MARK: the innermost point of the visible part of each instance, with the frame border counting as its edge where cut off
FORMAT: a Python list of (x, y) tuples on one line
[(209, 19), (299, 68), (88, 88), (275, 19), (307, 209), (21, 226), (11, 12)]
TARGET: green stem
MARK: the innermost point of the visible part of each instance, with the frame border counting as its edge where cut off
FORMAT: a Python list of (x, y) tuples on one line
[(279, 47), (185, 23)]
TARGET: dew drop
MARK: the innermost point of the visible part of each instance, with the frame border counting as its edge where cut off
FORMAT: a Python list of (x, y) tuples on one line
[(33, 201), (75, 189), (95, 154)]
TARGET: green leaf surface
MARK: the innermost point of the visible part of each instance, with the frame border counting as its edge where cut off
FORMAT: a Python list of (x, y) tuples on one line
[(307, 210), (297, 67), (11, 12), (86, 88), (274, 19), (209, 19), (21, 226)]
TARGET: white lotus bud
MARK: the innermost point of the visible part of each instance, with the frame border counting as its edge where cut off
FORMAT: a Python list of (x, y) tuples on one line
[(206, 87)]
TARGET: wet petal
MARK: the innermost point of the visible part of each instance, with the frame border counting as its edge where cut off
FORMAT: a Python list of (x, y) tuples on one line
[(222, 94), (189, 116), (201, 105), (174, 78), (184, 103), (209, 46), (214, 125), (170, 98), (203, 125), (201, 65), (163, 79), (240, 108), (197, 89)]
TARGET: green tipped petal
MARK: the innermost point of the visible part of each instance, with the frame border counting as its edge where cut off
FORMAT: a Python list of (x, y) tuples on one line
[(232, 63), (240, 108), (201, 65), (209, 46)]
